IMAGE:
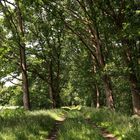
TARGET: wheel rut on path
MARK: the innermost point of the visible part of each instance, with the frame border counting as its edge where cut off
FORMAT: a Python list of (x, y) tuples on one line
[(104, 132)]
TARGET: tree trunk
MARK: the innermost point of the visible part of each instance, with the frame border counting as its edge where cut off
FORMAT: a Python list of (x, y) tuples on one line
[(51, 85), (25, 86), (106, 79), (22, 46), (133, 80), (57, 86), (135, 90), (51, 95), (57, 99), (96, 100), (54, 95), (97, 96), (108, 91), (54, 89)]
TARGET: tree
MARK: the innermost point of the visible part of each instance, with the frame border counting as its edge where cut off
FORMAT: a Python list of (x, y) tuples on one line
[(82, 19), (14, 20), (123, 18)]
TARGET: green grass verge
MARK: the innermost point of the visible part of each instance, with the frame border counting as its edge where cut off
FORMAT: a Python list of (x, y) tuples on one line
[(122, 126), (22, 125), (18, 124)]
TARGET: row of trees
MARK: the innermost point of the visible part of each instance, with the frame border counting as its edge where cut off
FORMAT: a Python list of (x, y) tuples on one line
[(76, 51)]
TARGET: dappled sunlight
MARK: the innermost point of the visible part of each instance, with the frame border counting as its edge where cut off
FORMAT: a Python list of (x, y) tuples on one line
[(77, 124), (55, 115), (69, 70), (20, 125), (76, 128)]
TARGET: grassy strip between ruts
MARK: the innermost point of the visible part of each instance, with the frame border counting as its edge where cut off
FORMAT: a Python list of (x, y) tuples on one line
[(75, 127), (22, 125)]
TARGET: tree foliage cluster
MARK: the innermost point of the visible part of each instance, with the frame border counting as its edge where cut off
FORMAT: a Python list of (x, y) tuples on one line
[(70, 52)]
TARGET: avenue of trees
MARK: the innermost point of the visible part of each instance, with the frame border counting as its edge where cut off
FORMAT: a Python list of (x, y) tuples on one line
[(70, 52)]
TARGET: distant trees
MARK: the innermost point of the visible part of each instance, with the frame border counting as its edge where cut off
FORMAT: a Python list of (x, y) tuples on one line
[(82, 19)]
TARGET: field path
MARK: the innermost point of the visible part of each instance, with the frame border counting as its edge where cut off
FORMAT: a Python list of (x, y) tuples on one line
[(104, 132), (54, 132)]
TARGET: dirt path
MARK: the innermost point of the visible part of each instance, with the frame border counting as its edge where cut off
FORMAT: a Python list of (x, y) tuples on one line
[(54, 132), (104, 132)]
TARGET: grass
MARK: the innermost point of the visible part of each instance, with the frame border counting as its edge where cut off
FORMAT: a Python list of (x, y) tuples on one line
[(75, 127), (22, 125), (122, 126), (17, 124)]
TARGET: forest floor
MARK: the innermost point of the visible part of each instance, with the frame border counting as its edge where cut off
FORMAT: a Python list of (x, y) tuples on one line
[(69, 123)]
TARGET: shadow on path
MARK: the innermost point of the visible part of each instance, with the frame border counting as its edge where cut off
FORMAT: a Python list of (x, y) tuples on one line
[(54, 132)]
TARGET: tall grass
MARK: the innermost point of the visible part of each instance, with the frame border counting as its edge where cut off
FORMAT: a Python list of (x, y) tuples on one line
[(75, 127), (22, 125), (18, 124), (124, 127)]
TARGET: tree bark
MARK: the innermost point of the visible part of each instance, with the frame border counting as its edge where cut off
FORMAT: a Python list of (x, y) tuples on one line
[(25, 86), (135, 90), (108, 91), (96, 100), (106, 79), (22, 46), (133, 80), (57, 97), (51, 96), (51, 89)]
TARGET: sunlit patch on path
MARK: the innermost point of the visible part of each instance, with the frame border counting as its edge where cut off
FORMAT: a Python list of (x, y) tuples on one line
[(107, 134)]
